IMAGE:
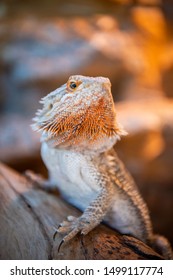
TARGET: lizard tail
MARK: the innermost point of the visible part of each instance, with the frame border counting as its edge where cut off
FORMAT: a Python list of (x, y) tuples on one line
[(161, 245)]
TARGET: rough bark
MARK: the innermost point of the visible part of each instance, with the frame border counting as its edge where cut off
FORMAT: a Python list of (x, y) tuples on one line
[(27, 219)]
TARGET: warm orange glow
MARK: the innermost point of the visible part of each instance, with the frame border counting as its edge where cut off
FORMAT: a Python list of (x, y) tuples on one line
[(154, 146)]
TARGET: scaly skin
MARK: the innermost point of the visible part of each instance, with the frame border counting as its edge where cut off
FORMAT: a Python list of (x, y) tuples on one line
[(79, 128)]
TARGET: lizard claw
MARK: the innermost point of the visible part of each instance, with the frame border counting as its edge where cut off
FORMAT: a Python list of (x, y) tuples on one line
[(71, 227), (55, 234), (60, 244)]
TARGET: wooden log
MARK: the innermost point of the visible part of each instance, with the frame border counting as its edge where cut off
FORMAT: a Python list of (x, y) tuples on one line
[(29, 215)]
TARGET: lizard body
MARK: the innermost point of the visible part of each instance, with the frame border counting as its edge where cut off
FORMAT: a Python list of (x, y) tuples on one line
[(79, 128)]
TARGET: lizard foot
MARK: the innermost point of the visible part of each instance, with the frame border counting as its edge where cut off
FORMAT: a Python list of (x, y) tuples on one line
[(38, 181), (72, 226)]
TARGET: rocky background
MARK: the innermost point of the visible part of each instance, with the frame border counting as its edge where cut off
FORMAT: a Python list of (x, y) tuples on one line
[(131, 42)]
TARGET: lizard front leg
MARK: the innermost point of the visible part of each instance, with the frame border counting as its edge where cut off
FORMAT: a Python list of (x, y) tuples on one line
[(93, 214), (40, 182)]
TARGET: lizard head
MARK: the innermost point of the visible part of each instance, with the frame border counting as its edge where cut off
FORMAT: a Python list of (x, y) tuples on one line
[(80, 113)]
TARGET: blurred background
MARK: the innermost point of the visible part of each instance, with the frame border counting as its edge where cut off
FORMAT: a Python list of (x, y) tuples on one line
[(43, 42)]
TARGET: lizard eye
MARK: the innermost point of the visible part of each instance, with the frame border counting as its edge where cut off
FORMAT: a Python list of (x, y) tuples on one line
[(73, 85)]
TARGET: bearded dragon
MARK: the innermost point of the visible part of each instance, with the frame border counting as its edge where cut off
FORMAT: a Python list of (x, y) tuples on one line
[(79, 128)]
